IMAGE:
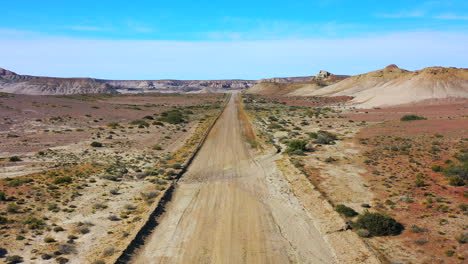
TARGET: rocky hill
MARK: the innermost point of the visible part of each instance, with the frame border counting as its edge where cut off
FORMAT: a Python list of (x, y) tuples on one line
[(291, 85), (11, 82), (393, 86), (125, 86)]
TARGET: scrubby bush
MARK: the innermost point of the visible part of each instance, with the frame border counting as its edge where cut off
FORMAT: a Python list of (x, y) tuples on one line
[(149, 195), (157, 147), (3, 196), (462, 238), (140, 123), (14, 259), (325, 137), (172, 117), (64, 180), (113, 125), (3, 220), (412, 118), (436, 168), (457, 173), (15, 159), (296, 146), (96, 144), (345, 210), (34, 223), (363, 233), (378, 224), (158, 123), (13, 208), (49, 240)]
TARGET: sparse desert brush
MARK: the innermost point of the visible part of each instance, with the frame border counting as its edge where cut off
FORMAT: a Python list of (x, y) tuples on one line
[(325, 137), (462, 238), (34, 223), (14, 259), (13, 208), (378, 224), (158, 123), (157, 147), (49, 239), (296, 146), (63, 180), (345, 210), (140, 123), (96, 144), (3, 220), (15, 159), (149, 195), (172, 117), (109, 251), (113, 125), (412, 118)]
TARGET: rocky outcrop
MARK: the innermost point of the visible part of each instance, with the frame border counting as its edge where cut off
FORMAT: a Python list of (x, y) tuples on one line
[(393, 86), (179, 85), (291, 85), (4, 72), (323, 74), (52, 86), (11, 82)]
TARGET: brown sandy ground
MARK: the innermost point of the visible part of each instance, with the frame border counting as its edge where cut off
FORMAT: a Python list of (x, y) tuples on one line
[(235, 206), (84, 203), (363, 172)]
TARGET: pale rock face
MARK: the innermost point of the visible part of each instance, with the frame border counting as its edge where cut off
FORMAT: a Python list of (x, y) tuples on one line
[(323, 74), (11, 82)]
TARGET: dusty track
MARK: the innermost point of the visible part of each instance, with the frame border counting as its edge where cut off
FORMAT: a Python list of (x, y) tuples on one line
[(233, 207)]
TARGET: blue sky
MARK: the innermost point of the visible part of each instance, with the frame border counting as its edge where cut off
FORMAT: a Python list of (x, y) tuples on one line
[(229, 39)]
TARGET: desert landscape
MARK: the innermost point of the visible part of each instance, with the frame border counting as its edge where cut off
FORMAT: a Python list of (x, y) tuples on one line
[(329, 168)]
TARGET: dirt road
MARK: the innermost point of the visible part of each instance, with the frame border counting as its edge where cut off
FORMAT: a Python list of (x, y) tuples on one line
[(234, 207)]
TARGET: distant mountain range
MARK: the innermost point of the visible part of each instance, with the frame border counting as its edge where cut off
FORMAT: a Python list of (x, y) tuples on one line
[(385, 87), (11, 82)]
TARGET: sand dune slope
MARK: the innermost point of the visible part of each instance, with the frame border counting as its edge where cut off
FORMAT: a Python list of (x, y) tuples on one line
[(393, 86)]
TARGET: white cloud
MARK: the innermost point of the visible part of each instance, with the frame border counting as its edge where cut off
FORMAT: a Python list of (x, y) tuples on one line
[(404, 14), (449, 16), (87, 28)]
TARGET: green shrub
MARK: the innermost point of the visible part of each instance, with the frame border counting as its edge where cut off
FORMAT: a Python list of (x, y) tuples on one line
[(96, 144), (412, 118), (140, 123), (13, 208), (345, 210), (436, 168), (462, 156), (172, 117), (15, 159), (64, 179), (363, 233), (113, 125), (296, 146), (157, 147), (34, 223), (325, 137), (158, 123), (49, 240), (14, 259), (379, 224), (462, 238), (457, 173), (3, 196), (3, 220)]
